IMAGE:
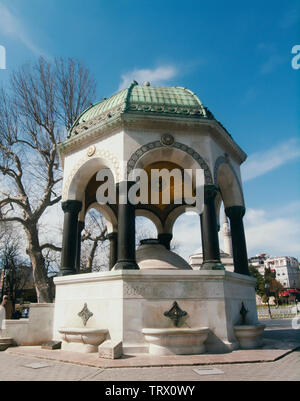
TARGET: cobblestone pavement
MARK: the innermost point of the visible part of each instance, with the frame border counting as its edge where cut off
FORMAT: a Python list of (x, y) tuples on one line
[(26, 368), (12, 368)]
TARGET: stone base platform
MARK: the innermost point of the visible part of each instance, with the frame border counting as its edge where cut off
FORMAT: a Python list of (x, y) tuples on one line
[(126, 302), (270, 352)]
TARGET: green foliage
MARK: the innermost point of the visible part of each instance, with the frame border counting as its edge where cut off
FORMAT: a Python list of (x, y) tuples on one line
[(266, 285), (264, 298), (260, 282)]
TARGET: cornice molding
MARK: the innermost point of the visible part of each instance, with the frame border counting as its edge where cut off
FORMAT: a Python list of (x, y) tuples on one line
[(96, 127)]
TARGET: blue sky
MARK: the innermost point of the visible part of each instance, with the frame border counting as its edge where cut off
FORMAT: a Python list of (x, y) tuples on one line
[(236, 56)]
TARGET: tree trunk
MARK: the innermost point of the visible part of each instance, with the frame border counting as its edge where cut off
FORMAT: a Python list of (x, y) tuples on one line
[(92, 256), (41, 281)]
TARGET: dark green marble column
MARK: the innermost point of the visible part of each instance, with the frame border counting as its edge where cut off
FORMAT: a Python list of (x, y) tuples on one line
[(80, 227), (113, 249), (165, 239), (239, 248), (126, 229), (71, 209), (209, 231)]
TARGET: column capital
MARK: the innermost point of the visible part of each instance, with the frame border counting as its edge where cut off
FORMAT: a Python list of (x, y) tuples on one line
[(165, 239), (73, 206), (112, 235), (210, 192), (235, 212)]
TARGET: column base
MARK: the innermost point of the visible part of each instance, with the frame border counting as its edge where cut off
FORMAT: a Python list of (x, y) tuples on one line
[(66, 272), (212, 265), (126, 265), (244, 271)]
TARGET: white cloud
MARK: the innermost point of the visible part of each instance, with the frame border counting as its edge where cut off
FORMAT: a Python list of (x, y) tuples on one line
[(271, 63), (260, 163), (51, 224), (275, 233), (13, 27), (289, 18), (155, 76), (272, 58), (186, 233)]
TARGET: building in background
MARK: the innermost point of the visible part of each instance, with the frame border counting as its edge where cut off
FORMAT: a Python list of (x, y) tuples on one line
[(258, 261), (227, 241), (286, 268)]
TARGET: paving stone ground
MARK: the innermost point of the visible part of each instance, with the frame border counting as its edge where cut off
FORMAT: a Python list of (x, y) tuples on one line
[(15, 367)]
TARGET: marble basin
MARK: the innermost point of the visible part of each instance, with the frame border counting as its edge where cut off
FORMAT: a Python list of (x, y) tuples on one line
[(82, 339), (176, 341), (249, 336)]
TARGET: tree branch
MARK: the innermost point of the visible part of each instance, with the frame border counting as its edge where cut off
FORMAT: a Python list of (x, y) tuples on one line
[(51, 246)]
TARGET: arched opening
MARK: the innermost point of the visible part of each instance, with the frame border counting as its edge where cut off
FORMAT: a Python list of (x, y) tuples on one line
[(108, 214), (231, 192), (148, 216), (144, 229), (96, 248), (229, 185), (186, 234), (171, 187), (84, 175), (94, 254)]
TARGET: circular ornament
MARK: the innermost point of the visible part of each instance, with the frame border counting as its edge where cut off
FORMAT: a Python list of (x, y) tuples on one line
[(91, 150), (167, 139)]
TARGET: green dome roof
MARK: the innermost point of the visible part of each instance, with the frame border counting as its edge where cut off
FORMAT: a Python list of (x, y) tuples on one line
[(144, 99)]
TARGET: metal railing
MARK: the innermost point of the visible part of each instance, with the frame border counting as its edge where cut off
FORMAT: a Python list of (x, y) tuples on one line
[(278, 313)]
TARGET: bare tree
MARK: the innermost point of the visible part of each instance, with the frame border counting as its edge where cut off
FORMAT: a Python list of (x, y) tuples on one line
[(94, 246), (40, 104), (17, 271), (144, 229)]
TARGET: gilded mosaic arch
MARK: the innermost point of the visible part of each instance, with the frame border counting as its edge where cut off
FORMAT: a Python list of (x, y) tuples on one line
[(184, 148)]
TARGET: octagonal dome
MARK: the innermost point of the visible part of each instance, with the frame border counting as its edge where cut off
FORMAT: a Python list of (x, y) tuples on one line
[(143, 99)]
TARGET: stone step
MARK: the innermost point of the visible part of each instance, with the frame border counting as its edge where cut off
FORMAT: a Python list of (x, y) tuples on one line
[(6, 342)]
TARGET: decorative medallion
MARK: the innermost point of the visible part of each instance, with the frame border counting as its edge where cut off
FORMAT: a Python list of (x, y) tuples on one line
[(159, 144), (91, 150), (85, 314), (175, 313), (167, 139)]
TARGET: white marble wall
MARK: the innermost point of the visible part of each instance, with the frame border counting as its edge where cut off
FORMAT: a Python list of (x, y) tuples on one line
[(35, 330), (126, 302)]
